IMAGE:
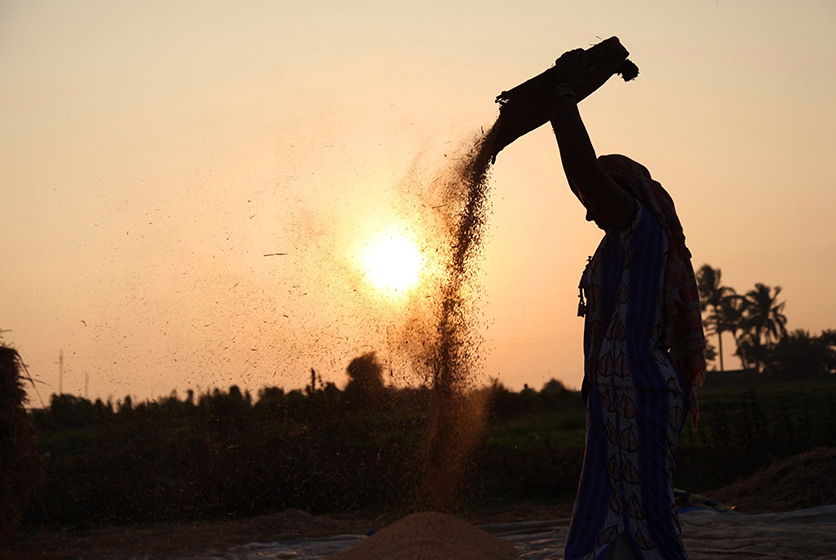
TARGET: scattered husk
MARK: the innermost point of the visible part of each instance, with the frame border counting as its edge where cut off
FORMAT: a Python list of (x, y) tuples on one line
[(457, 412), (430, 536)]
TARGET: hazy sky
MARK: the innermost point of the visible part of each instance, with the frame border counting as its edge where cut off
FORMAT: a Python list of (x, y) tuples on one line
[(151, 154)]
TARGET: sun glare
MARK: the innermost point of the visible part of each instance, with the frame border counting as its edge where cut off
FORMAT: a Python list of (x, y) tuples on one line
[(393, 262)]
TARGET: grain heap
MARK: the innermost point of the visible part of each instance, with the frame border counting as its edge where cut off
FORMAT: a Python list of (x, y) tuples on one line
[(801, 481), (430, 536)]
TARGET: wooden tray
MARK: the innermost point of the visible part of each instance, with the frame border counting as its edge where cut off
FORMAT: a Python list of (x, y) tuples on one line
[(529, 105)]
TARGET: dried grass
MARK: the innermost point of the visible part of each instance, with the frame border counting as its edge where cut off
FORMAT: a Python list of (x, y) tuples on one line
[(21, 465)]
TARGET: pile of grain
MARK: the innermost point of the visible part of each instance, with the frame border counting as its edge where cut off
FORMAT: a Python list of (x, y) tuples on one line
[(430, 536), (797, 482)]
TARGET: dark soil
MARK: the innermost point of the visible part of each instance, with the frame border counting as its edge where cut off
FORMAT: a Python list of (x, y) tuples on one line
[(802, 481), (173, 540), (177, 540), (798, 482)]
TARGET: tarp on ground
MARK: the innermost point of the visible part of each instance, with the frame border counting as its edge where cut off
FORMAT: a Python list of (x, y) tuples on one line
[(808, 534)]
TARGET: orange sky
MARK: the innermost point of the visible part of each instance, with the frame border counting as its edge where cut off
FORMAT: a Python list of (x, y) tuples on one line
[(152, 153)]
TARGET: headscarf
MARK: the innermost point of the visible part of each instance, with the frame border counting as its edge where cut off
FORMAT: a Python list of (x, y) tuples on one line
[(684, 332)]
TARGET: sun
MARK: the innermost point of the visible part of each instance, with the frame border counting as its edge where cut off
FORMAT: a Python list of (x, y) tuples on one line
[(392, 262)]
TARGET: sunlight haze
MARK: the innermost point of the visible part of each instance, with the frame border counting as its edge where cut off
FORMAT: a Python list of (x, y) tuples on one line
[(187, 186)]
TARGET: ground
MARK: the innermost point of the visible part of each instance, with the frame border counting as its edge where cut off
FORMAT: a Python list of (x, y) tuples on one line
[(802, 481), (176, 540)]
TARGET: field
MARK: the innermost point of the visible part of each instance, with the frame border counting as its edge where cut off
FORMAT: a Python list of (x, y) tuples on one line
[(227, 455)]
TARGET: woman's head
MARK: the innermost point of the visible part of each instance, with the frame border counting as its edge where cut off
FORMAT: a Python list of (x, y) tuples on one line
[(634, 178), (625, 172), (682, 303), (592, 214)]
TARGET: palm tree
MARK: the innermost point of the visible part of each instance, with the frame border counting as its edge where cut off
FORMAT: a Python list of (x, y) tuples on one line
[(717, 299), (764, 315), (764, 322), (731, 312)]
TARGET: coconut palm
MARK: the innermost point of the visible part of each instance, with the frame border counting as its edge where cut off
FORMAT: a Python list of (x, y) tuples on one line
[(731, 313), (764, 315), (764, 323), (718, 301)]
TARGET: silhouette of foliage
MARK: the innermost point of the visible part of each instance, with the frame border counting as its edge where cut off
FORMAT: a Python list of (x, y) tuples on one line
[(716, 299), (365, 387), (757, 322), (799, 355), (223, 453), (764, 323), (743, 434)]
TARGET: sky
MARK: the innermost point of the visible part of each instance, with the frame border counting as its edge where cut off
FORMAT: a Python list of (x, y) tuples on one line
[(152, 154)]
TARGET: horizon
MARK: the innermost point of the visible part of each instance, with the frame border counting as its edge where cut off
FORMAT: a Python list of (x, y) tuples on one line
[(188, 188)]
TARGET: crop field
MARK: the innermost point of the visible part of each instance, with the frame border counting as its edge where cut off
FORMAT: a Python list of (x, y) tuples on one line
[(227, 454)]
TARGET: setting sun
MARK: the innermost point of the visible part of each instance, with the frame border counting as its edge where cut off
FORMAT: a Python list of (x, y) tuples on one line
[(392, 261)]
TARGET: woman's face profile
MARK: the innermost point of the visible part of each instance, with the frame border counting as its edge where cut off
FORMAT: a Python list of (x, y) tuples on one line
[(591, 213)]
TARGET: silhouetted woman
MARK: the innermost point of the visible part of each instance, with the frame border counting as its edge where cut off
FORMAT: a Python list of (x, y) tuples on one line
[(643, 347)]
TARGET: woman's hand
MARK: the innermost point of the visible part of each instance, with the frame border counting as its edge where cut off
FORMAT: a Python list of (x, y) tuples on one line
[(571, 67)]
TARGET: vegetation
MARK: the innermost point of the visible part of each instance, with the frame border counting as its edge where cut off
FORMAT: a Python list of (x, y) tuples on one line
[(225, 453), (744, 428), (757, 323), (323, 449), (21, 466)]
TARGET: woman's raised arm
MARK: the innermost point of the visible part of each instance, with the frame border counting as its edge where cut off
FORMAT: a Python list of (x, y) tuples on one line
[(608, 204)]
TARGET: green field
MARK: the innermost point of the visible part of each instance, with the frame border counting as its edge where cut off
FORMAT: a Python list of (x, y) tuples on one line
[(229, 454)]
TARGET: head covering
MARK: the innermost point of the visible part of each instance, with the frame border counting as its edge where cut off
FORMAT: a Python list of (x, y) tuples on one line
[(684, 333)]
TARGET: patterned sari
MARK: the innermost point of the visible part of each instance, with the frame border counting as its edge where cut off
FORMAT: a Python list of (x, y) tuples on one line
[(636, 400)]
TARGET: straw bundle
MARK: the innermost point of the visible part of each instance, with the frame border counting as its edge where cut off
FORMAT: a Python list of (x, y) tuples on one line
[(21, 465)]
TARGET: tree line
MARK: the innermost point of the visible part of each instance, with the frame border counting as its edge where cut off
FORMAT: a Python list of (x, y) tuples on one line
[(757, 324), (234, 453), (230, 452)]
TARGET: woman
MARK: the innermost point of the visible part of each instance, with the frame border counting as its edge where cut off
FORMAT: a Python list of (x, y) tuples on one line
[(643, 347)]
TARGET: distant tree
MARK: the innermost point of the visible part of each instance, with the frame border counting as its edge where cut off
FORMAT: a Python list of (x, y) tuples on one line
[(504, 403), (331, 393), (296, 405), (225, 411), (70, 412), (271, 403), (126, 406), (764, 314), (752, 352), (554, 396), (365, 386), (799, 355), (711, 354), (554, 386), (716, 300), (763, 324), (731, 312)]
